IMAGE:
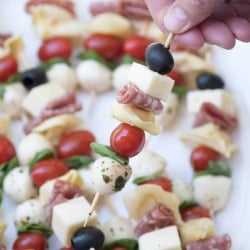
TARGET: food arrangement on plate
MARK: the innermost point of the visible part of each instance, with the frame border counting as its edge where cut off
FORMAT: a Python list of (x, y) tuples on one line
[(62, 179)]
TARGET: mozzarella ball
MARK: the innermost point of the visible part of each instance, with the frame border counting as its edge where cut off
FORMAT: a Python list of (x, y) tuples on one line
[(109, 176), (182, 190), (18, 184), (211, 191), (30, 145), (12, 100), (30, 211), (94, 76), (120, 76), (64, 75)]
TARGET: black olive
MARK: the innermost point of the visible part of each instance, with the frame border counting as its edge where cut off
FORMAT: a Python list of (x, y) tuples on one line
[(33, 77), (209, 80), (87, 237), (159, 58)]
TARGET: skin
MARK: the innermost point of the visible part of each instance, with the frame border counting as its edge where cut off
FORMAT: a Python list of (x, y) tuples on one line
[(195, 22)]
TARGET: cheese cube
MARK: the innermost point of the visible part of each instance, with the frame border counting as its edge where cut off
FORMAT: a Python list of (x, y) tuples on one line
[(2, 228), (166, 238), (150, 82), (68, 216), (219, 97)]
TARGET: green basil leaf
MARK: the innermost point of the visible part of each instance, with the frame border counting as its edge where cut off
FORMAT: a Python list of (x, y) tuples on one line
[(14, 78), (1, 195), (49, 63), (180, 91), (7, 167), (141, 179), (107, 151), (2, 90), (127, 59), (129, 244), (186, 204), (44, 154), (77, 162), (27, 227), (215, 168)]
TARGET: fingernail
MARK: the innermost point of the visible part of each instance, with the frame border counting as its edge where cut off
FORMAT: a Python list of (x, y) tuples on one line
[(175, 19)]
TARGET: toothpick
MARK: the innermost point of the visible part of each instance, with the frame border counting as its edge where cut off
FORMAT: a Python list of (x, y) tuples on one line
[(170, 37)]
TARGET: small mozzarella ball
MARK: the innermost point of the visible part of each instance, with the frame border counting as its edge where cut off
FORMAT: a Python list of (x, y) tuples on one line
[(143, 162), (94, 76), (30, 211), (120, 76), (182, 190), (212, 192), (12, 100), (64, 75), (109, 176), (18, 184), (30, 145)]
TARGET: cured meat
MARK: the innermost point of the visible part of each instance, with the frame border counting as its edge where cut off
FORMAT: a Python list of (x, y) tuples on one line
[(64, 104), (65, 4), (219, 242), (158, 217), (131, 94), (3, 38), (210, 113), (129, 8), (63, 191)]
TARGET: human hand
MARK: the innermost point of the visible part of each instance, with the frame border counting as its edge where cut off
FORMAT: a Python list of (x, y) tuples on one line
[(198, 21)]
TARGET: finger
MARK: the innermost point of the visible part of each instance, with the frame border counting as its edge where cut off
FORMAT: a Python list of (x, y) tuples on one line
[(183, 15), (217, 33)]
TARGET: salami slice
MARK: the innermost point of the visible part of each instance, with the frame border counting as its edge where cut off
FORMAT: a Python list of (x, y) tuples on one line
[(158, 217), (219, 242), (131, 94)]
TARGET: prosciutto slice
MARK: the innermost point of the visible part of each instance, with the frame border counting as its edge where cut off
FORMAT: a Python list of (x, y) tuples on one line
[(131, 94), (158, 217), (210, 113), (219, 242)]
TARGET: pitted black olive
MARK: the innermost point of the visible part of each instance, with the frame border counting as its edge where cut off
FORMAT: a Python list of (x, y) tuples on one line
[(33, 77), (159, 58), (87, 237), (209, 80)]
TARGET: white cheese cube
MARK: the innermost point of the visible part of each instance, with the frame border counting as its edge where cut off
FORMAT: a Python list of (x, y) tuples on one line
[(166, 238), (219, 97), (68, 216), (150, 82)]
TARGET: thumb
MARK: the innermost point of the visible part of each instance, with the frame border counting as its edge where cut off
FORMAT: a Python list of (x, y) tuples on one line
[(183, 15)]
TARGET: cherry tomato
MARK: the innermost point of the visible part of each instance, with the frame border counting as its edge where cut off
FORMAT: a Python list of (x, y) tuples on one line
[(75, 143), (163, 182), (7, 150), (127, 141), (195, 212), (55, 47), (48, 169), (8, 67), (107, 46), (176, 76), (201, 156), (136, 45), (30, 240)]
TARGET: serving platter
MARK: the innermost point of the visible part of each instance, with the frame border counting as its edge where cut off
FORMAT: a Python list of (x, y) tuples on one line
[(232, 65)]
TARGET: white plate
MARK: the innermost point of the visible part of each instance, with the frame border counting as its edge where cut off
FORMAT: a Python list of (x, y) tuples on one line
[(234, 68)]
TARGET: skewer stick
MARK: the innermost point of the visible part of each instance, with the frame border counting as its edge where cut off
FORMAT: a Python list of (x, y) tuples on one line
[(92, 208), (170, 37)]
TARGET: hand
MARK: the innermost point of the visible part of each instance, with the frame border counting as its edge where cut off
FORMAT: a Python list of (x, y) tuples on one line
[(198, 21)]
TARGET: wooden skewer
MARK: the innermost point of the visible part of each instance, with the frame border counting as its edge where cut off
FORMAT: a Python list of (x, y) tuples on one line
[(170, 37)]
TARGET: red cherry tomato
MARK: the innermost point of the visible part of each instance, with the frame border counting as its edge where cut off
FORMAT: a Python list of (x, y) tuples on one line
[(201, 156), (48, 169), (136, 45), (30, 240), (8, 67), (107, 46), (163, 182), (75, 143), (55, 47), (126, 140), (176, 76), (195, 212), (7, 150)]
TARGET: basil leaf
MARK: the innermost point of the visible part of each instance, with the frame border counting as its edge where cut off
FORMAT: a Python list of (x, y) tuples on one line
[(186, 204), (180, 91), (1, 195), (215, 168), (91, 54), (129, 244), (14, 78), (27, 227), (44, 154), (107, 151), (77, 162), (7, 167), (46, 65), (2, 90), (127, 59), (141, 179)]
